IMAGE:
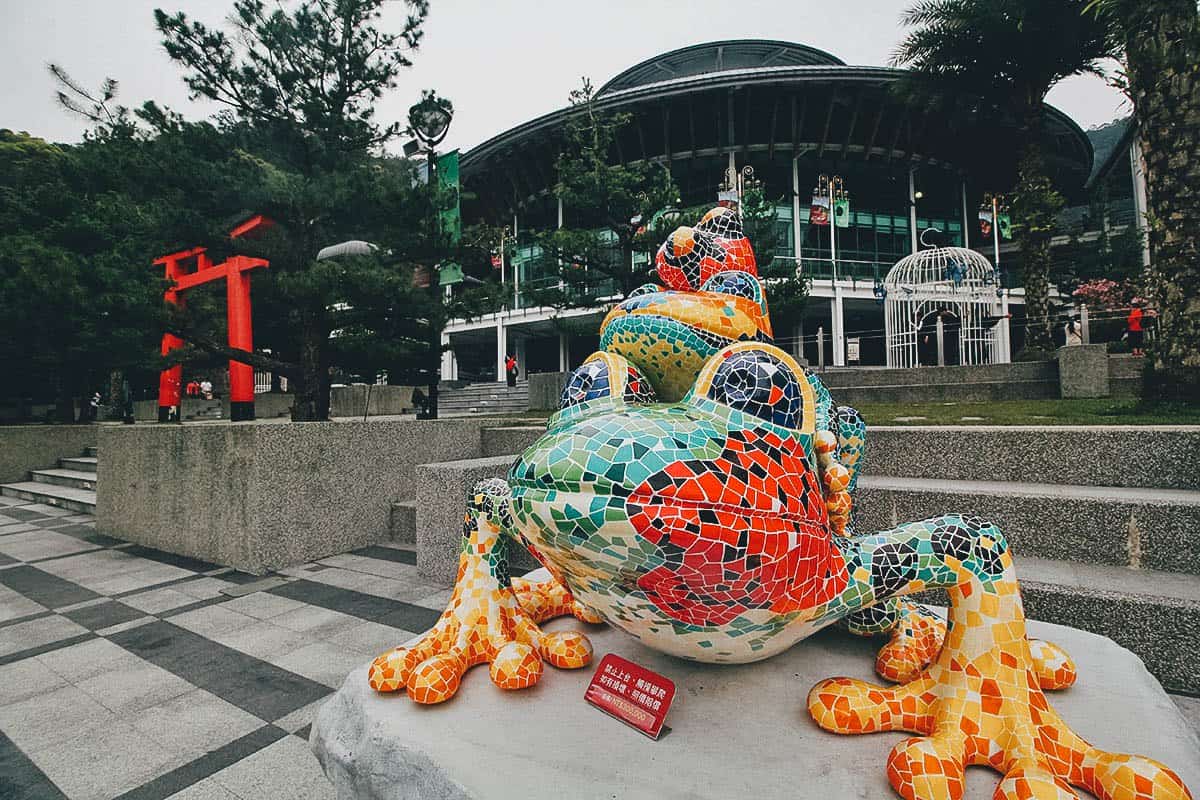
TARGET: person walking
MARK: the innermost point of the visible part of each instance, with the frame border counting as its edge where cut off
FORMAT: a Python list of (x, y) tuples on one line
[(1071, 332), (510, 369), (1133, 328)]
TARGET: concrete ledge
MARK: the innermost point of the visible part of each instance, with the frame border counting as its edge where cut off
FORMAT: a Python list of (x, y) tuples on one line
[(981, 392), (442, 491), (1037, 371), (737, 731), (350, 401), (262, 496), (545, 389), (28, 447), (1141, 528), (1083, 371), (1166, 457), (510, 439)]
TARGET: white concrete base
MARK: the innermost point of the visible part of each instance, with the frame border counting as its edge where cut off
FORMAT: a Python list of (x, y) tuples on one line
[(738, 731)]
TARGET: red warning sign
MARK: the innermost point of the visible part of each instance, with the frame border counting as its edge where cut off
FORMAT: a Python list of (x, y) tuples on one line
[(633, 694)]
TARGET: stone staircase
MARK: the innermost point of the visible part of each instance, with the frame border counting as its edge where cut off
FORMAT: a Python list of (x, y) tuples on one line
[(70, 485), (1102, 520), (484, 398), (1033, 380)]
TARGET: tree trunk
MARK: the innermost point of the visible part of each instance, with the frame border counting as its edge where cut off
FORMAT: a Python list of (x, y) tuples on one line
[(1163, 53), (312, 387), (1035, 207)]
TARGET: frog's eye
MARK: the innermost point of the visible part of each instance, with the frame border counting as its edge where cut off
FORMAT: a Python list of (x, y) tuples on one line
[(605, 375), (757, 380), (738, 284), (589, 382)]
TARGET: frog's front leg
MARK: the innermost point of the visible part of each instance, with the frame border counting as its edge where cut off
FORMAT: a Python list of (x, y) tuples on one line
[(980, 702), (484, 622)]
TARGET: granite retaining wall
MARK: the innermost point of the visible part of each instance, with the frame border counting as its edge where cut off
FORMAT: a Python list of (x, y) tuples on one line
[(26, 447), (261, 496)]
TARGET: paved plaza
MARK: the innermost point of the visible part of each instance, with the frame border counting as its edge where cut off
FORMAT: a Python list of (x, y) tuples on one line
[(127, 672), (132, 673)]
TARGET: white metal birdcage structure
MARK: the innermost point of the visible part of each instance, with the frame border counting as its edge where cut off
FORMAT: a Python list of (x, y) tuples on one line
[(936, 291)]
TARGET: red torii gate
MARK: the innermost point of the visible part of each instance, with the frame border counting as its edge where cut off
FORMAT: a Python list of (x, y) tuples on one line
[(189, 268)]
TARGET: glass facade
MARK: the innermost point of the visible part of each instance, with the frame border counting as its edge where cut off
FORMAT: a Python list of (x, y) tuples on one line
[(872, 244)]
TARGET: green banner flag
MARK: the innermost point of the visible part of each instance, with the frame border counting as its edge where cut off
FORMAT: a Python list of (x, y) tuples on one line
[(447, 172), (841, 212), (1004, 223)]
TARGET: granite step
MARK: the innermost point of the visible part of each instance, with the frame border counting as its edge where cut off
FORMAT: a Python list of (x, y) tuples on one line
[(79, 479), (402, 522), (90, 452), (1159, 456), (79, 464), (82, 501), (1152, 529), (1154, 614)]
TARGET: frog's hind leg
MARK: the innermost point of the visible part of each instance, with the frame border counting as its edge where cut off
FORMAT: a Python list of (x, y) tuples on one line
[(916, 633), (483, 622), (980, 702)]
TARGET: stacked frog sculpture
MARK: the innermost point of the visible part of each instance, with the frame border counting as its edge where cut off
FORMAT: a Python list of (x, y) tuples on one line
[(695, 491)]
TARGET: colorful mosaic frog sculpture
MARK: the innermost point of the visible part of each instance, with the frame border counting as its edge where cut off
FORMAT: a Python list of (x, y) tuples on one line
[(714, 527)]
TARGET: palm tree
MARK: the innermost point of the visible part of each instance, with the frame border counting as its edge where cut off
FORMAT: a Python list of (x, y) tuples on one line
[(1011, 53), (1161, 43)]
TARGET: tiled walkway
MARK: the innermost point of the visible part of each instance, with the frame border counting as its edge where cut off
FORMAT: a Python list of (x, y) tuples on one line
[(127, 672)]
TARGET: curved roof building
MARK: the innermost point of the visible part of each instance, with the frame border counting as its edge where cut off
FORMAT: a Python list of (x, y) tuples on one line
[(765, 102), (792, 112)]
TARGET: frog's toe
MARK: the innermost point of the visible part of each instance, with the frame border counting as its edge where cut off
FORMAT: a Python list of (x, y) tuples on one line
[(390, 671), (846, 705), (543, 600), (566, 649), (516, 666), (928, 768), (1033, 782), (436, 679), (1117, 776), (1053, 667)]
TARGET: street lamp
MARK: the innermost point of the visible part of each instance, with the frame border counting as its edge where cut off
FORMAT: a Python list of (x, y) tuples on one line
[(734, 187), (429, 122)]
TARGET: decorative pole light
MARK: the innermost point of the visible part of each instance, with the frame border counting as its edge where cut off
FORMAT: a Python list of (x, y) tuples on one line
[(733, 188), (994, 221), (429, 122), (831, 202)]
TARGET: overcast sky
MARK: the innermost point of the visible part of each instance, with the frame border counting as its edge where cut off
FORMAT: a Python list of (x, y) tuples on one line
[(502, 62)]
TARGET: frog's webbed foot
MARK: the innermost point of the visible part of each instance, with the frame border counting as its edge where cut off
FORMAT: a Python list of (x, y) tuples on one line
[(483, 622), (543, 600), (916, 634), (980, 702)]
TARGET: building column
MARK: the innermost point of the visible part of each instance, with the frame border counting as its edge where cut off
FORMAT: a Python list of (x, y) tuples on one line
[(564, 352), (501, 350), (796, 238), (966, 224), (1005, 330), (839, 328), (518, 348), (1140, 199), (449, 362)]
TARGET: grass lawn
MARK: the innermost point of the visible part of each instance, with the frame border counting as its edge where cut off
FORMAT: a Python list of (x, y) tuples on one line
[(1032, 412)]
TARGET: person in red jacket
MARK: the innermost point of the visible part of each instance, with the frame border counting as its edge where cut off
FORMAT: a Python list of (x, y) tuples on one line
[(1133, 328), (510, 369)]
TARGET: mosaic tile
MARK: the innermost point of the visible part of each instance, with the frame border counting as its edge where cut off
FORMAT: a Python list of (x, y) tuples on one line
[(711, 519)]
